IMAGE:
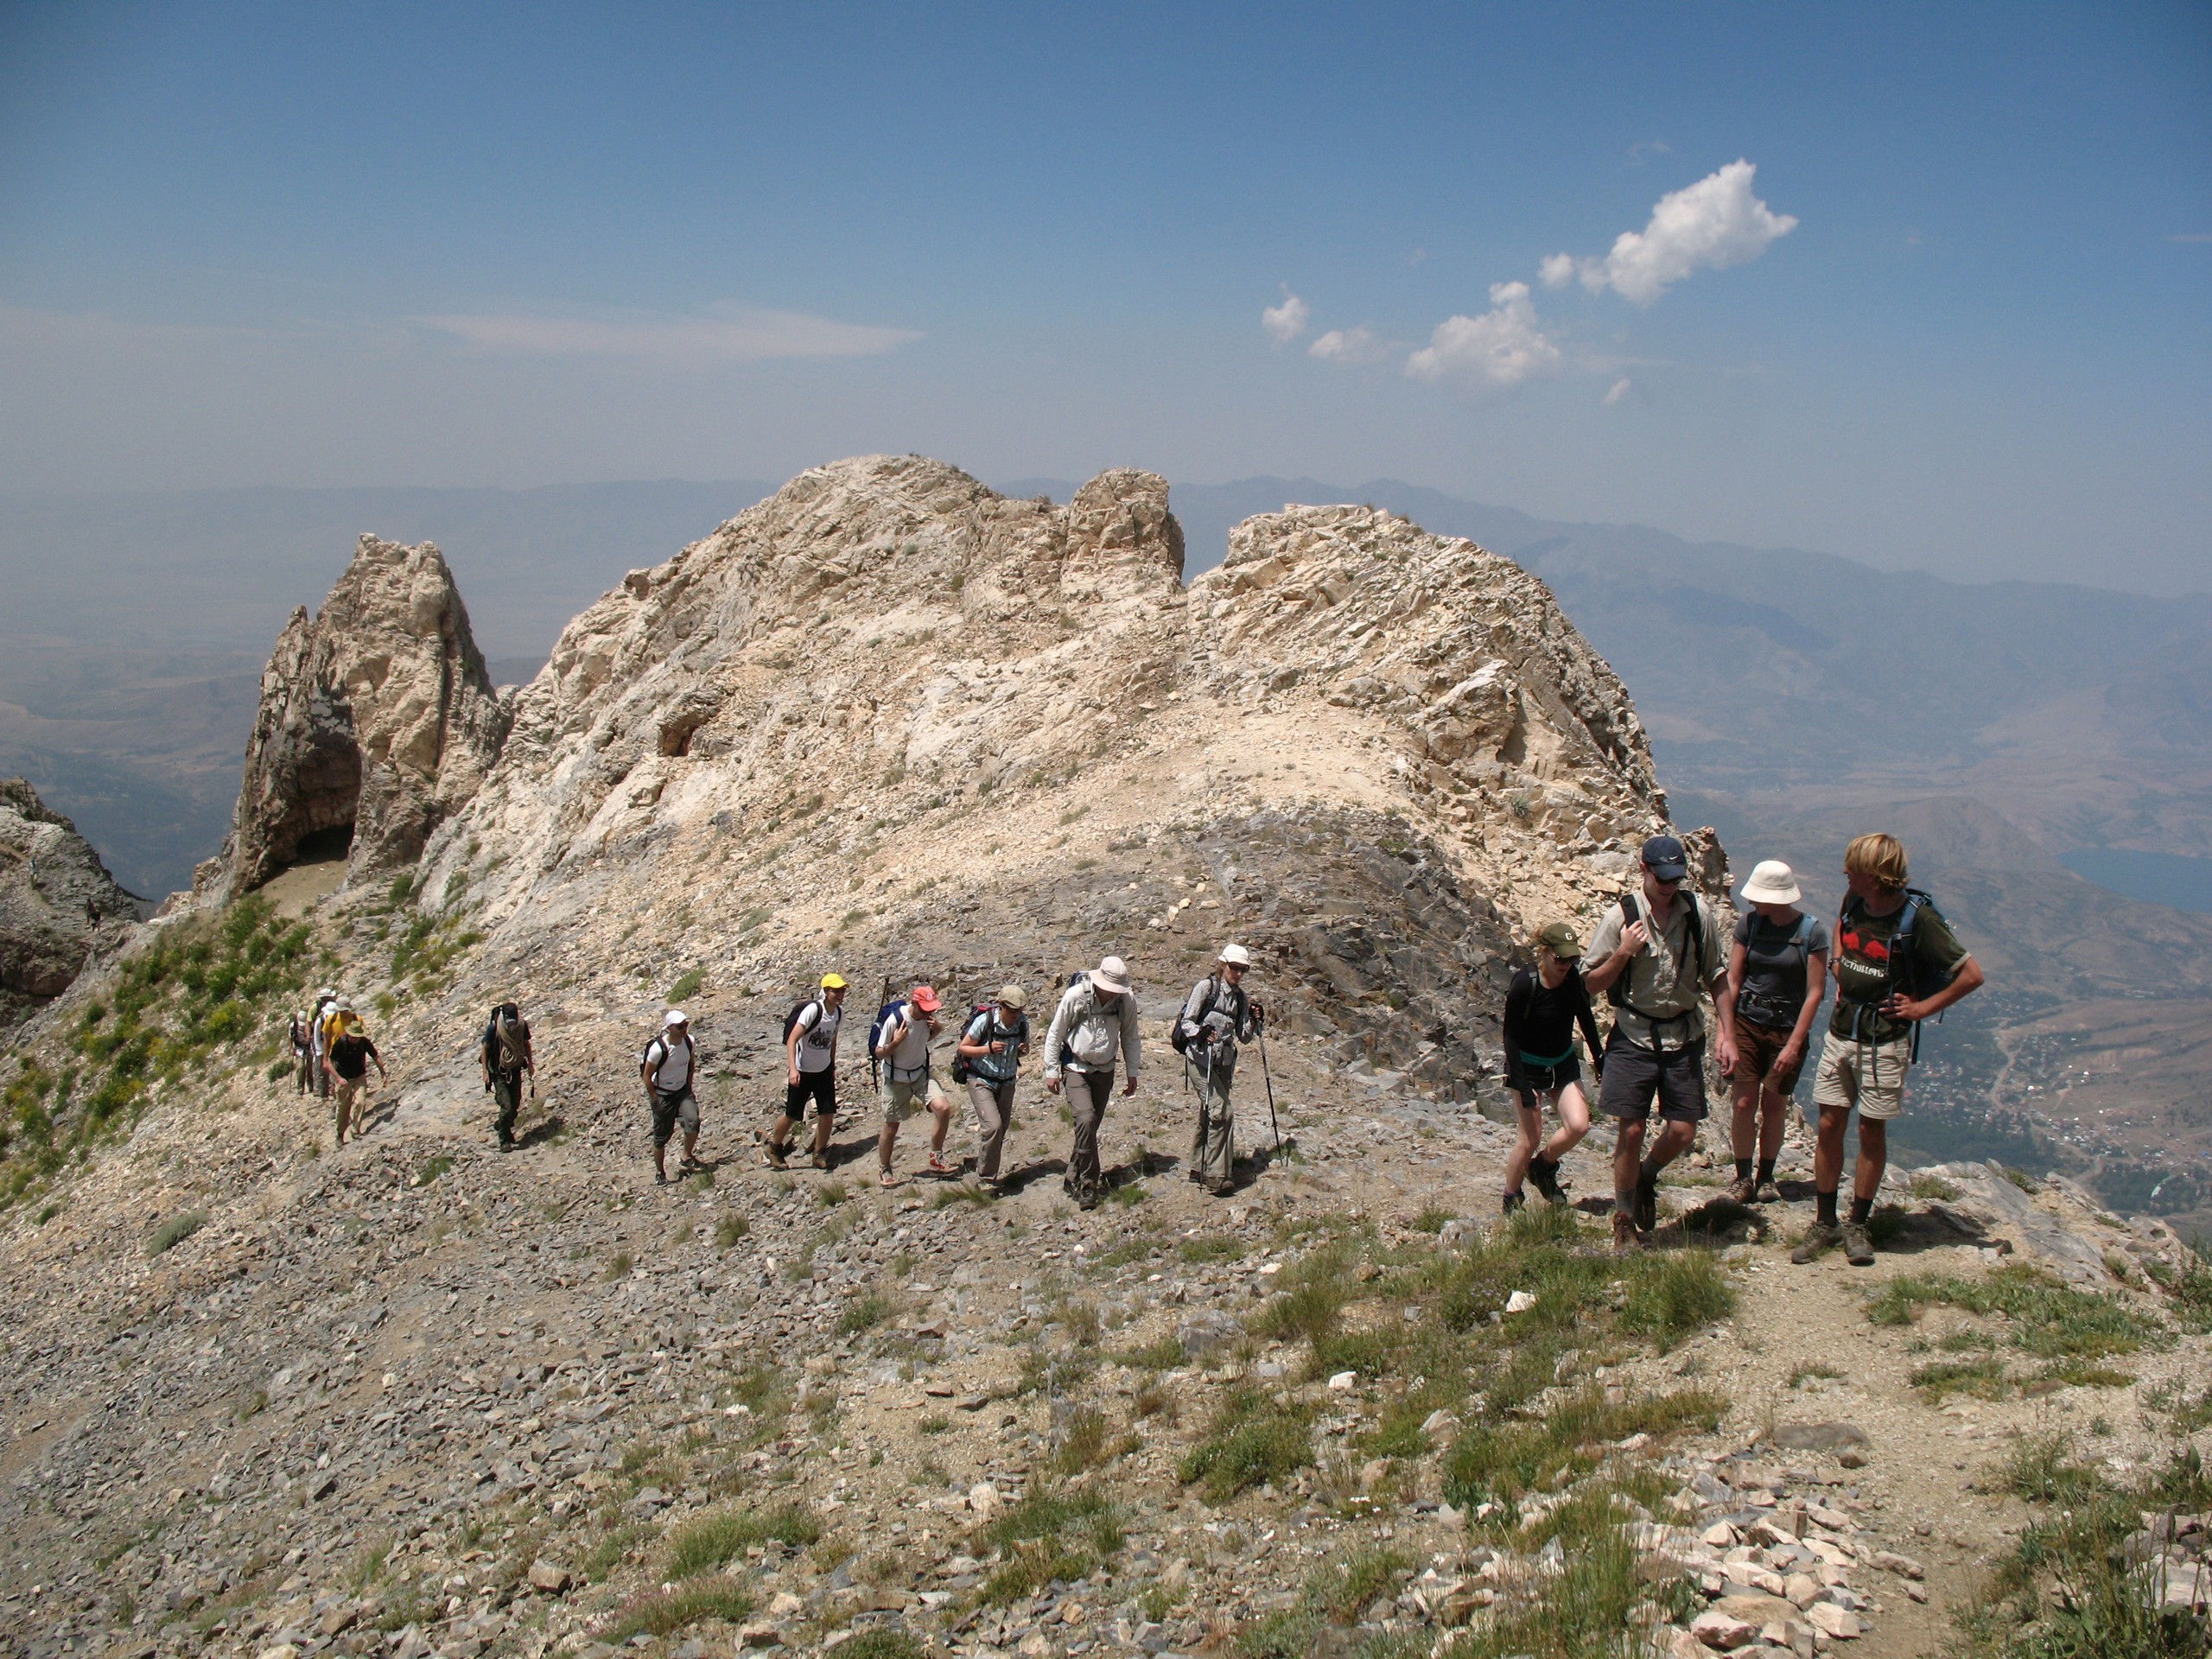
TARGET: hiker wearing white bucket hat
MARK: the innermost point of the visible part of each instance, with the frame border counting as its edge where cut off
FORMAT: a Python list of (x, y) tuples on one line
[(1777, 974), (1093, 1027), (1216, 1016)]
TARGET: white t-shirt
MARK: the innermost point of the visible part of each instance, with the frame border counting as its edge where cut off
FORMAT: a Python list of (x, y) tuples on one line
[(817, 1030), (671, 1064)]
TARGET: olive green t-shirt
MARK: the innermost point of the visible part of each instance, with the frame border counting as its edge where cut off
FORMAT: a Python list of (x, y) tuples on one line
[(1863, 980)]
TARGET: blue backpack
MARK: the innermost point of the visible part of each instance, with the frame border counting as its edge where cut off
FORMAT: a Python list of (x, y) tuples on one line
[(894, 1010)]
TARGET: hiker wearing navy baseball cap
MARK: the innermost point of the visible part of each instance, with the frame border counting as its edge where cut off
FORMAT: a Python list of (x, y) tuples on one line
[(1653, 956)]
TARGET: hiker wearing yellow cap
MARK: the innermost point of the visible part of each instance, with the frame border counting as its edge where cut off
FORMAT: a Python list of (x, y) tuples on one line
[(810, 1071)]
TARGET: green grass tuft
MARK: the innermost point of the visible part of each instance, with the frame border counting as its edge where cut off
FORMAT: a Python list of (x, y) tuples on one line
[(1251, 1442), (706, 1541), (175, 1231)]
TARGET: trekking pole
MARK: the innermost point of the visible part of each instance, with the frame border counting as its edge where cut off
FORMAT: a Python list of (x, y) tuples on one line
[(1269, 1079)]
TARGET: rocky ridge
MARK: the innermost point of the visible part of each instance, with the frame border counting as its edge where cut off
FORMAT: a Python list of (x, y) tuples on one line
[(59, 906), (378, 720), (414, 1397)]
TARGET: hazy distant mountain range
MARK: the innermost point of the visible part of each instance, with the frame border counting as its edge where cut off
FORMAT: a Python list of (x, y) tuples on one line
[(1793, 698)]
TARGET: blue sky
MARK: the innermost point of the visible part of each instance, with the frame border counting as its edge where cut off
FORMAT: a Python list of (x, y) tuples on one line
[(311, 245)]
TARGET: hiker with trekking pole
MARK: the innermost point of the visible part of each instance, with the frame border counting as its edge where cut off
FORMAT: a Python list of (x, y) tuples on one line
[(1216, 1016)]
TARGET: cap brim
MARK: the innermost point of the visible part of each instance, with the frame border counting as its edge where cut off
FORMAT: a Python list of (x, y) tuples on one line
[(1669, 872), (1111, 987)]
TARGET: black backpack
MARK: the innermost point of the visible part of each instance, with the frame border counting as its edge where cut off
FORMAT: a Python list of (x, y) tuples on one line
[(1617, 992), (798, 1008), (1905, 968), (1179, 1040), (1018, 1033)]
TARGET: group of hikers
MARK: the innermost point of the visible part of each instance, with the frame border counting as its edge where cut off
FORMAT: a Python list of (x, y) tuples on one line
[(1657, 956)]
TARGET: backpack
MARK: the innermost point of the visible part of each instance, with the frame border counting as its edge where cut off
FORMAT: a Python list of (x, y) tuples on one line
[(886, 1016), (1179, 1040), (1617, 992), (987, 1009), (798, 1008), (507, 1039), (1904, 971), (1800, 940), (646, 1058)]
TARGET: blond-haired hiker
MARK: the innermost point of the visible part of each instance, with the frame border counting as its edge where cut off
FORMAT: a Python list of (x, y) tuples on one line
[(1777, 974), (1543, 1009), (1896, 963)]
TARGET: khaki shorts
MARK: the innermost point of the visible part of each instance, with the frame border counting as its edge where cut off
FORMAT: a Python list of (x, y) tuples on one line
[(902, 1100), (1870, 1076)]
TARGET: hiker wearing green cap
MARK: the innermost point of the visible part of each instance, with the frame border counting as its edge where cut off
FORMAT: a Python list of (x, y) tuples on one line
[(1653, 955), (809, 1073), (1896, 963), (1542, 1010), (1777, 974), (991, 1045)]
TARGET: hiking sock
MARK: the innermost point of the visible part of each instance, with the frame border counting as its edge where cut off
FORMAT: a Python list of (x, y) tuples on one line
[(1861, 1211), (1743, 1169), (1824, 1208), (1766, 1169), (1624, 1201), (1647, 1172)]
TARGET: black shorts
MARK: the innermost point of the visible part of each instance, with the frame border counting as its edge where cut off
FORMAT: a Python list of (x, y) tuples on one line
[(1543, 1079), (820, 1087), (671, 1107), (1634, 1074)]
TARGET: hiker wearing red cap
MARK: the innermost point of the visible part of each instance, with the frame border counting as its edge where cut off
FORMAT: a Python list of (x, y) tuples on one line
[(902, 1045), (1094, 1027)]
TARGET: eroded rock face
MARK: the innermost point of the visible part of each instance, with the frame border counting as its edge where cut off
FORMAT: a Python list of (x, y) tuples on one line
[(890, 714), (377, 719), (58, 904)]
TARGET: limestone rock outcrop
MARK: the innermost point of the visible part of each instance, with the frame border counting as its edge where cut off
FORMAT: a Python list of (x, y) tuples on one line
[(1387, 755), (377, 723), (59, 905)]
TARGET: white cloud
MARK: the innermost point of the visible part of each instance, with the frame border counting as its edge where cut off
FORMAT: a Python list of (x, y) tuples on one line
[(1348, 346), (1709, 225), (1557, 271), (728, 333), (1501, 348), (1619, 389), (1287, 322)]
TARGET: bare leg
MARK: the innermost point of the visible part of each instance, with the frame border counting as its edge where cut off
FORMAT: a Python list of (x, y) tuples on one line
[(1573, 1123), (1531, 1124), (1675, 1139), (1873, 1156), (1774, 1118), (884, 1142), (1743, 1121), (780, 1136), (1628, 1154), (1827, 1147), (822, 1124), (942, 1113)]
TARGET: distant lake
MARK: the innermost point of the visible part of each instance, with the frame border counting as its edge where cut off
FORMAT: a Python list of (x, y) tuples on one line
[(2155, 878)]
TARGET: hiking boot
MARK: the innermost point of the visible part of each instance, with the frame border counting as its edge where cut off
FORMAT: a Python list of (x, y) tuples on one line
[(690, 1166), (1088, 1200), (1626, 1240), (507, 1146), (772, 1155), (1514, 1201), (1544, 1176), (660, 1178), (1768, 1192), (821, 1161), (938, 1167), (1742, 1191), (1647, 1203), (1857, 1246), (1818, 1242)]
